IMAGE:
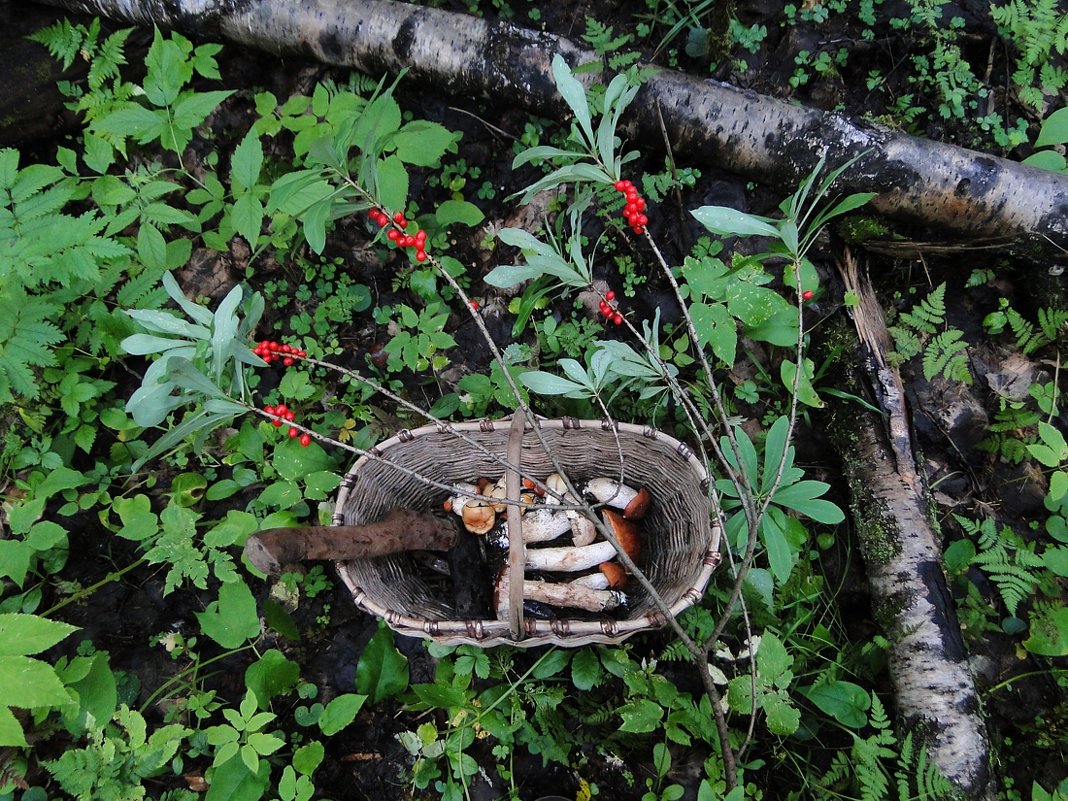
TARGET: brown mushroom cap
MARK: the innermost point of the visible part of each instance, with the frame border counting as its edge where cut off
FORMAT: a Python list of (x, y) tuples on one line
[(625, 531), (614, 574), (478, 517), (639, 505)]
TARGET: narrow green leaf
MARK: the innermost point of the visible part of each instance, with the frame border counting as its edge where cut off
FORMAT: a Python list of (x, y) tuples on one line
[(574, 95), (725, 221)]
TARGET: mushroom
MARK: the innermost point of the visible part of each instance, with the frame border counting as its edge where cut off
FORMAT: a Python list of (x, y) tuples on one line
[(633, 502), (583, 530), (583, 557), (610, 576), (571, 594), (478, 516), (541, 524)]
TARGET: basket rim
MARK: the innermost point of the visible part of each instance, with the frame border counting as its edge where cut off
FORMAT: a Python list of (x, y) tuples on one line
[(561, 631)]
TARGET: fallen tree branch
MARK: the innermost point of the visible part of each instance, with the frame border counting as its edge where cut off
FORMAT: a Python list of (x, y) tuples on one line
[(927, 661), (918, 181)]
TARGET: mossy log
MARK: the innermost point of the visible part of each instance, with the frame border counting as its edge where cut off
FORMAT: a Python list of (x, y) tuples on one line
[(933, 688), (917, 180)]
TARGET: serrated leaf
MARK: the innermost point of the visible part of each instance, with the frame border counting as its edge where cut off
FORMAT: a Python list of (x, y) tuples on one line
[(246, 162), (37, 683), (23, 635), (340, 713), (641, 716)]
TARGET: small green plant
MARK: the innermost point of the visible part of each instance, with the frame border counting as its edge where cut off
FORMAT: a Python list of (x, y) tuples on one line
[(1039, 31)]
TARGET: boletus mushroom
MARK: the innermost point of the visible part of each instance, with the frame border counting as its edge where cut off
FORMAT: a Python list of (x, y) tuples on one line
[(633, 502), (574, 594)]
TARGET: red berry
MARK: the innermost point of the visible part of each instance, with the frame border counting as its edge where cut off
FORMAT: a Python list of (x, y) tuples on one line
[(474, 305), (393, 235), (420, 237), (642, 220), (293, 433), (640, 203), (627, 185), (632, 195), (277, 422), (398, 216), (610, 295), (617, 318), (280, 408), (305, 440), (269, 409), (808, 294), (629, 209), (638, 230), (602, 306), (289, 415), (621, 186), (288, 361), (420, 255)]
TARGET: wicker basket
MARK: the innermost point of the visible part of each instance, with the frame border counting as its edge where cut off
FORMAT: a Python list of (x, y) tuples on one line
[(681, 533)]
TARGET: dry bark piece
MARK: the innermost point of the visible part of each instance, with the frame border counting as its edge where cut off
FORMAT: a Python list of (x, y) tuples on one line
[(272, 551)]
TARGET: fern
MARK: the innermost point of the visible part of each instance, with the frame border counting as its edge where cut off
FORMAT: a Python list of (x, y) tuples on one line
[(865, 770), (1011, 431), (915, 326), (66, 42), (1011, 565), (1038, 29), (945, 356), (916, 333)]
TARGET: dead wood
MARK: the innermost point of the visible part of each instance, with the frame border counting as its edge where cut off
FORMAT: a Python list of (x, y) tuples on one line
[(273, 550), (918, 181), (933, 687)]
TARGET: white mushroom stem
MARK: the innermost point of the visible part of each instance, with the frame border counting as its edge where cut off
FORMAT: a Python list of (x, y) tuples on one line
[(570, 559), (633, 502), (611, 492), (569, 594), (457, 502), (583, 530), (544, 524)]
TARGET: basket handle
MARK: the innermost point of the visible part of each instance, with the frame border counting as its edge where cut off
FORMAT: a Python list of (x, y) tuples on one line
[(516, 551)]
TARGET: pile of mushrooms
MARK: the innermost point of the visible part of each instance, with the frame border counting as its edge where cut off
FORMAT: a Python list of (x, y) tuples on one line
[(599, 587)]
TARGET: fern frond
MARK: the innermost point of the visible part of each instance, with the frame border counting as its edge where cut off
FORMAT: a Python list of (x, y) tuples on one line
[(929, 313), (945, 356), (1051, 321), (26, 334)]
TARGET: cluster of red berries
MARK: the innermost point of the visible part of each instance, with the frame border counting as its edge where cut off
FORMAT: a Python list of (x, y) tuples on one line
[(608, 310), (271, 351), (282, 414), (634, 210), (397, 233)]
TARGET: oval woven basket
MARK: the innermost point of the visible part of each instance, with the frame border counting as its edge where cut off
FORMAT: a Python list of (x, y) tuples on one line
[(681, 530)]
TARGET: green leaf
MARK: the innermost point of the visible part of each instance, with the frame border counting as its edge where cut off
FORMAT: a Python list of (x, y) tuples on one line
[(551, 664), (725, 221), (340, 713), (308, 757), (586, 669), (382, 670), (458, 211), (846, 702), (422, 143), (10, 731), (440, 696), (22, 635), (246, 216), (640, 716), (392, 177), (781, 557), (151, 246), (246, 162), (1054, 129), (37, 682), (232, 619), (806, 393), (271, 675), (1049, 632), (549, 384), (574, 94), (715, 327), (232, 781), (803, 497)]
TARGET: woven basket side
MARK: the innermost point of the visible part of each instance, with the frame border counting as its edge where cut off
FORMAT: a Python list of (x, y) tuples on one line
[(678, 534)]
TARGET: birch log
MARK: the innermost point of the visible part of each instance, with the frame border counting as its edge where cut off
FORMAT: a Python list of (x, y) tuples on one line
[(918, 181), (933, 687)]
